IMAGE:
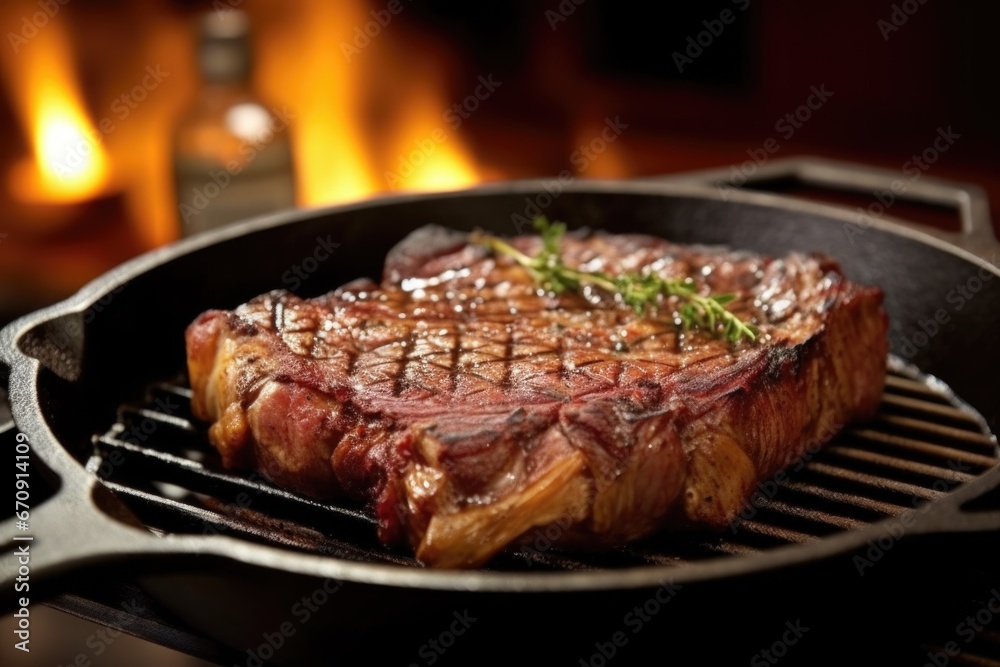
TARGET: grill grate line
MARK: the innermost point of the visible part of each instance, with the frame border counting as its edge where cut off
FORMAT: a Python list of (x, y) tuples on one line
[(927, 407), (896, 463), (939, 430), (777, 532), (210, 522), (203, 480), (939, 451), (733, 549), (129, 414), (170, 388), (854, 500), (810, 514), (872, 481), (895, 383)]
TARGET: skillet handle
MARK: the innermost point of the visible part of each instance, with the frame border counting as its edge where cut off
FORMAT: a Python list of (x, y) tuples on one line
[(82, 523), (63, 532), (970, 201)]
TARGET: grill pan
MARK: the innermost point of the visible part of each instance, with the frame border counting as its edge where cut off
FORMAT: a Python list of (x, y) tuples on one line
[(95, 388)]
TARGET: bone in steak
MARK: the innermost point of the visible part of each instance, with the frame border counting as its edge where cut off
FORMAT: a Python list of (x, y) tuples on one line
[(470, 408)]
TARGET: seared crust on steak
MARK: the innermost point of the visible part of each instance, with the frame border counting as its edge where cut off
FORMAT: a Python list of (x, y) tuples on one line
[(469, 407)]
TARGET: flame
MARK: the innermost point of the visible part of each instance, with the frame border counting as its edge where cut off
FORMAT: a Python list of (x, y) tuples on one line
[(69, 162), (140, 143), (352, 120), (427, 154), (302, 68), (362, 102), (421, 146)]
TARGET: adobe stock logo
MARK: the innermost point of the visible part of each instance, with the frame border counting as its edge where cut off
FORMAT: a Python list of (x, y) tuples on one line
[(432, 650), (958, 297), (566, 9), (779, 649), (308, 265), (581, 158), (900, 14), (363, 35), (786, 126), (30, 25), (914, 168), (635, 620), (424, 147)]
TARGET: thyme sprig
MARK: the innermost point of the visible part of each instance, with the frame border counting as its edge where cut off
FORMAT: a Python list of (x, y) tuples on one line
[(640, 291)]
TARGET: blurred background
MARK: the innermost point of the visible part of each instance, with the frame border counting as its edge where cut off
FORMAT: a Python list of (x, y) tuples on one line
[(129, 124), (126, 124)]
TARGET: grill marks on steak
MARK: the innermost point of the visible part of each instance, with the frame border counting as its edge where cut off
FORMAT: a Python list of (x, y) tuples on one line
[(469, 407)]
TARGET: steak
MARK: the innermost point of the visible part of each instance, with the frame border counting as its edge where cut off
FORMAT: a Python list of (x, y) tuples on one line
[(469, 407)]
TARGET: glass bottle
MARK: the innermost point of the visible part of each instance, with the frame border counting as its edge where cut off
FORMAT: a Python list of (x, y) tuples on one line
[(232, 155)]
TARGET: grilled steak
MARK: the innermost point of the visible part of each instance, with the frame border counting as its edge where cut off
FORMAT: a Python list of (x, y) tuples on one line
[(469, 407)]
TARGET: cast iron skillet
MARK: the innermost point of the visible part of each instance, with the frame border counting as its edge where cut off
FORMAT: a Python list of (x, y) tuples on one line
[(72, 364)]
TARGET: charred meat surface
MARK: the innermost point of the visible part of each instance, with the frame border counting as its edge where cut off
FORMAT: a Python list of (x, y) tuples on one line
[(469, 407)]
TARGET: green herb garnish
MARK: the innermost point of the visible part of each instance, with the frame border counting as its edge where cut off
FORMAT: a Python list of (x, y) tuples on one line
[(637, 290)]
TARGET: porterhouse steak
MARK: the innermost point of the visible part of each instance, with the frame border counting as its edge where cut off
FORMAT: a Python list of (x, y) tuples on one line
[(469, 407)]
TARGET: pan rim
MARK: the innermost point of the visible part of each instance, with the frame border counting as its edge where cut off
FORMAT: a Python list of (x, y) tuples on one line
[(98, 287)]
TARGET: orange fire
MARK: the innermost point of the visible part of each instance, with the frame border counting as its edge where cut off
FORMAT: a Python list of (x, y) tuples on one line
[(428, 154), (325, 63), (361, 123), (68, 162), (302, 69)]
